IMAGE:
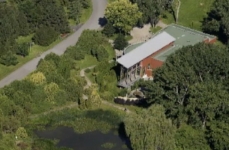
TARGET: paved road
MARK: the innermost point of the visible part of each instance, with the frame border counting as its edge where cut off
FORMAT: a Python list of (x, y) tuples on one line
[(93, 23)]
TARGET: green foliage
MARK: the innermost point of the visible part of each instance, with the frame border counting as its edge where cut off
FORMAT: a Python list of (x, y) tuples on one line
[(45, 36), (109, 30), (154, 130), (123, 14), (108, 145), (218, 21), (218, 135), (192, 86), (83, 120), (97, 46), (23, 49), (106, 79), (74, 10), (120, 42), (45, 13), (8, 59), (102, 54), (37, 78), (151, 10), (21, 133), (190, 138)]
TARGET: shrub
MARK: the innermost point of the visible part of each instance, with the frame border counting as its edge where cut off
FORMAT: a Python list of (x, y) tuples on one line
[(108, 30), (23, 49), (8, 59), (102, 54), (45, 36), (120, 42), (88, 70)]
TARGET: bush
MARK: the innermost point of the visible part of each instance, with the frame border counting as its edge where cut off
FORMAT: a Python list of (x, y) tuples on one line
[(88, 70), (102, 54), (108, 30), (45, 36), (23, 49), (8, 59), (120, 42)]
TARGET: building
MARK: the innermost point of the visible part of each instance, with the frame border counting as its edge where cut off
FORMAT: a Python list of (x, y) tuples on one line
[(143, 59)]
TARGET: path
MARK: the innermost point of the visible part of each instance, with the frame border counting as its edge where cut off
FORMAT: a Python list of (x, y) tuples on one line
[(92, 23)]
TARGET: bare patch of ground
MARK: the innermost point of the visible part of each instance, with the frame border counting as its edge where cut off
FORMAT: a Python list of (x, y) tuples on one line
[(140, 34)]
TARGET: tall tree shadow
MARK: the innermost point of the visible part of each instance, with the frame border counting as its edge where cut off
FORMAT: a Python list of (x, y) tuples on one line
[(123, 136), (102, 21)]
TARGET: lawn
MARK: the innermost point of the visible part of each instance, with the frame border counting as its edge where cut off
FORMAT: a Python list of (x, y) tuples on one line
[(88, 61), (156, 29), (191, 13)]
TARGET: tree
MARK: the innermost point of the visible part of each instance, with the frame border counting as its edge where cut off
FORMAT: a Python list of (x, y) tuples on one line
[(155, 131), (151, 10), (45, 36), (8, 59), (102, 54), (218, 135), (74, 10), (37, 78), (23, 49), (217, 20), (190, 138), (51, 90), (120, 42), (21, 133), (123, 15), (108, 30), (189, 68)]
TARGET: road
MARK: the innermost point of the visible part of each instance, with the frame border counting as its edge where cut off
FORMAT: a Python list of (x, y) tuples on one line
[(92, 23)]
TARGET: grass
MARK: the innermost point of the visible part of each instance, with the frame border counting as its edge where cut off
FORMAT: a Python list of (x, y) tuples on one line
[(191, 13), (88, 61), (154, 30), (86, 13), (127, 37)]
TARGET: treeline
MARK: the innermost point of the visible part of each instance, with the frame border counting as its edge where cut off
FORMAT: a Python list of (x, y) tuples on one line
[(192, 86), (46, 20)]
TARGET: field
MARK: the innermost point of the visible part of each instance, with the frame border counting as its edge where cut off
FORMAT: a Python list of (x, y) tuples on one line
[(191, 13)]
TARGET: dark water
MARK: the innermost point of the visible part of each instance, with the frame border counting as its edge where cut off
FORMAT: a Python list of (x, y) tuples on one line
[(88, 141)]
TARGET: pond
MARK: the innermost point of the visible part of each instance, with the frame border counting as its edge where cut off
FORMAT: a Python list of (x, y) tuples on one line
[(67, 137)]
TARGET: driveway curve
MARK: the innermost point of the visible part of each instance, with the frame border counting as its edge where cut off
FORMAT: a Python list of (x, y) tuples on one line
[(92, 23)]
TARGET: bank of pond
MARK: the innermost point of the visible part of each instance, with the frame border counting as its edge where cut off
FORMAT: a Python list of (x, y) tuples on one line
[(83, 130)]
